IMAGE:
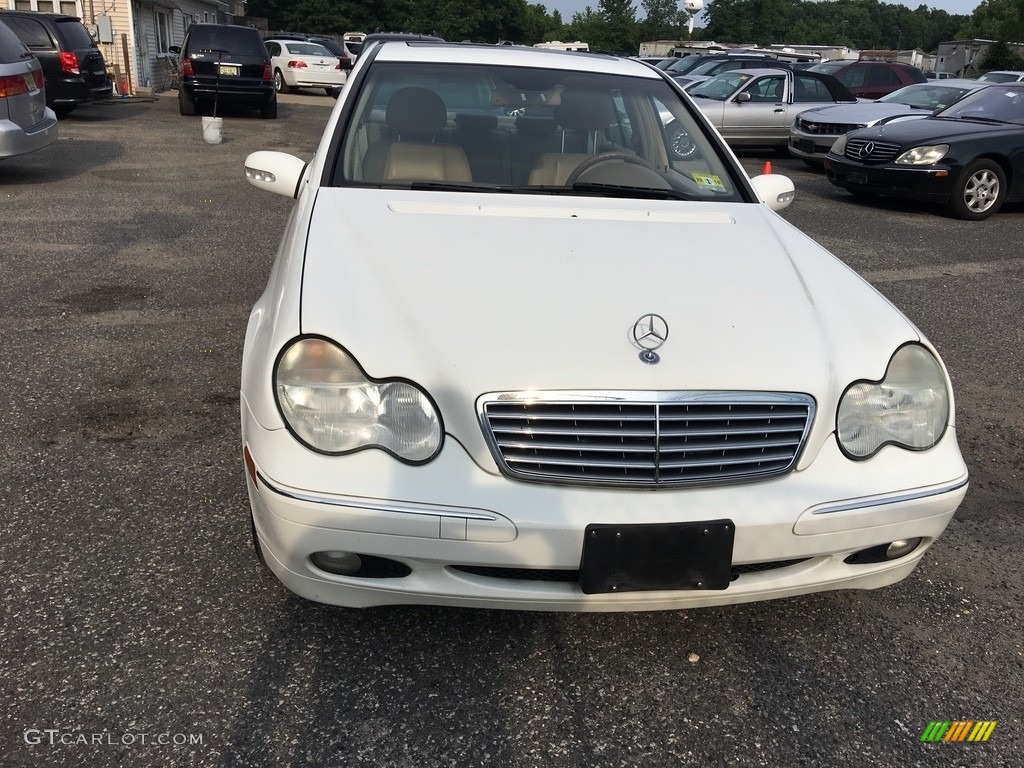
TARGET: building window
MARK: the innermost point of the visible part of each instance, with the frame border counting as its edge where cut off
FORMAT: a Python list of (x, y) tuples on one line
[(162, 25), (69, 7)]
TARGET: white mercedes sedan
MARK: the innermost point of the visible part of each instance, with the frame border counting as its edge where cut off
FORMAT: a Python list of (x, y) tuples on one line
[(519, 351)]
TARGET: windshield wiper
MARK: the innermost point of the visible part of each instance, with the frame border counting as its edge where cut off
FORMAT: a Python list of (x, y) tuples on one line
[(579, 188), (622, 190), (978, 118)]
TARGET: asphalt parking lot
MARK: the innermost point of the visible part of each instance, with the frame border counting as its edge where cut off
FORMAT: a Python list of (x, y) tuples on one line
[(138, 629)]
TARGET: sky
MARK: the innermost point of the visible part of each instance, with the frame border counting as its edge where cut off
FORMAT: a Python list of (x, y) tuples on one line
[(568, 7)]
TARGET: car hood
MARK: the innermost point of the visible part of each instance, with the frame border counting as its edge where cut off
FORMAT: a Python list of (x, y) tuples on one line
[(864, 113), (934, 130), (467, 294)]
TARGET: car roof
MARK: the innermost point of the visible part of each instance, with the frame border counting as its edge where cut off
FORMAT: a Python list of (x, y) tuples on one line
[(510, 55)]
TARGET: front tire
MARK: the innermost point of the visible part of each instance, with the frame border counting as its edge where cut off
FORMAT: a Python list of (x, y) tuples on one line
[(979, 191)]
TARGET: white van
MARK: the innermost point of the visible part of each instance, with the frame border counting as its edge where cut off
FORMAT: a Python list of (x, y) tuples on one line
[(558, 45)]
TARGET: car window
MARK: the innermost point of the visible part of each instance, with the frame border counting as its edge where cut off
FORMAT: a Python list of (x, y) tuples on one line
[(768, 89), (31, 32), (810, 89), (527, 131), (12, 50), (881, 76), (992, 103), (241, 41), (851, 77), (75, 34), (308, 49)]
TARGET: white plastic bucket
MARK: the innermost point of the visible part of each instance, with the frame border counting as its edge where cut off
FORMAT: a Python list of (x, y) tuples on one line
[(212, 129)]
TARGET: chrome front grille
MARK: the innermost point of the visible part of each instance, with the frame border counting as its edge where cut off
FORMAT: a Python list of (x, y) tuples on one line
[(645, 439), (867, 151), (817, 128)]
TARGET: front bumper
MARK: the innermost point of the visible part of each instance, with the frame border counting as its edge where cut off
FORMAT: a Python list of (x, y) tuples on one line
[(932, 184), (809, 146), (465, 537)]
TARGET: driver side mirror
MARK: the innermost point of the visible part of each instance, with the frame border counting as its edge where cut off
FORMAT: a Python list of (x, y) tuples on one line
[(743, 97)]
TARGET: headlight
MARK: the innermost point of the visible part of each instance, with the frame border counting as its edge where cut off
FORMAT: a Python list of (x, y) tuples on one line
[(908, 408), (923, 155), (839, 145), (331, 406)]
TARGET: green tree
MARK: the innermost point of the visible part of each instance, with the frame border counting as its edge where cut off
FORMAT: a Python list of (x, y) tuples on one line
[(661, 20), (1001, 56)]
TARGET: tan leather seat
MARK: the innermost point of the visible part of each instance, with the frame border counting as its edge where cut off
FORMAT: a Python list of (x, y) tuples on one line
[(581, 114), (415, 117)]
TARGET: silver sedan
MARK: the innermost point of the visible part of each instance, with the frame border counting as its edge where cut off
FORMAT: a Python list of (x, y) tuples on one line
[(755, 107)]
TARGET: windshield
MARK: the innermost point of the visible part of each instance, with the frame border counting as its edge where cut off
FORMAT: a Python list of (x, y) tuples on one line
[(828, 67), (307, 49), (720, 87), (684, 64), (1000, 77), (528, 131), (1000, 103), (926, 96)]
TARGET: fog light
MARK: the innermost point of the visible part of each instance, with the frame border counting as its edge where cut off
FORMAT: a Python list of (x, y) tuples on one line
[(883, 552), (900, 548), (336, 562)]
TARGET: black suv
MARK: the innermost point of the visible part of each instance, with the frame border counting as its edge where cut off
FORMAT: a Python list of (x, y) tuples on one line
[(225, 64), (73, 67)]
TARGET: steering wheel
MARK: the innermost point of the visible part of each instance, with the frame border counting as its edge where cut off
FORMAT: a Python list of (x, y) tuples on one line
[(679, 141), (605, 157)]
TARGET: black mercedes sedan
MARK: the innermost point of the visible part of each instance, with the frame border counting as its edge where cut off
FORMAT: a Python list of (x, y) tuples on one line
[(968, 157)]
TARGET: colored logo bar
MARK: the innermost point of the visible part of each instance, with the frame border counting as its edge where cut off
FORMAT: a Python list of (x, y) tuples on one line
[(959, 730)]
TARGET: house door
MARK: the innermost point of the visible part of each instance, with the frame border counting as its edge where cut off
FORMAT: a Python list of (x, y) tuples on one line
[(142, 64)]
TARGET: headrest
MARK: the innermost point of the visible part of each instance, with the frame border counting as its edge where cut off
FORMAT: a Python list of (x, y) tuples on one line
[(585, 110), (416, 110)]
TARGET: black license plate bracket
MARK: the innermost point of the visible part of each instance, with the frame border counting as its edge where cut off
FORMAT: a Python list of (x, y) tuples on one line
[(661, 556)]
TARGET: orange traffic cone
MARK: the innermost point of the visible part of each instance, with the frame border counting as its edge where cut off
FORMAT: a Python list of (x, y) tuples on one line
[(767, 167)]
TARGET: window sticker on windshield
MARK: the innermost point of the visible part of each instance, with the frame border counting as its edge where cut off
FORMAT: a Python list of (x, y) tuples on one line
[(709, 182)]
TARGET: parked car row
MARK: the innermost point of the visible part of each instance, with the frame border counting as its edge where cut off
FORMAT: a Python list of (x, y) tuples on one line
[(74, 71), (956, 142)]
